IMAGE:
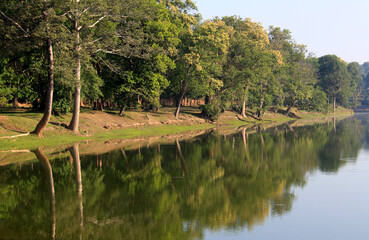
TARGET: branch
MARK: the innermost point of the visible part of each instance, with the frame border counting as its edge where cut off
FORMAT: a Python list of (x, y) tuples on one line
[(85, 10), (15, 136), (109, 66), (17, 24), (96, 40), (66, 28), (93, 25)]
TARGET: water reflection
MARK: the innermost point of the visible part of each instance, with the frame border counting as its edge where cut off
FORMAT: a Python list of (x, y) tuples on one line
[(50, 184), (172, 191)]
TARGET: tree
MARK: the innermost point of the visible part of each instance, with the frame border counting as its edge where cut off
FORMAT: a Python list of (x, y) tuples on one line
[(354, 92), (34, 24), (200, 60), (297, 76), (248, 45), (333, 76), (101, 28)]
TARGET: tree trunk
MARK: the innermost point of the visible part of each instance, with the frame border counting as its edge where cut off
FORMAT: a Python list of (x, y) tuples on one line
[(121, 112), (50, 92), (288, 111), (179, 104), (243, 111), (15, 102), (258, 112), (99, 104), (334, 103), (73, 125), (94, 105)]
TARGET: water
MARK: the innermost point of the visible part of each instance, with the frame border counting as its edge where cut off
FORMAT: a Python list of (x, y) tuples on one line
[(281, 182)]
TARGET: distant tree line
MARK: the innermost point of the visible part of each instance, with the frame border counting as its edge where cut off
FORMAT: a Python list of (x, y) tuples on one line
[(55, 54)]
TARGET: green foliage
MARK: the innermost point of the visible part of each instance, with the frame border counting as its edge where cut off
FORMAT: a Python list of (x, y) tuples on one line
[(211, 110), (133, 52)]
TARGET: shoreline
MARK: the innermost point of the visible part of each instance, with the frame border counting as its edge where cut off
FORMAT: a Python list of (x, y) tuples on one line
[(106, 126)]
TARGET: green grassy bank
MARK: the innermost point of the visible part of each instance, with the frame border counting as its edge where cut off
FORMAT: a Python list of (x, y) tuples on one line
[(96, 125)]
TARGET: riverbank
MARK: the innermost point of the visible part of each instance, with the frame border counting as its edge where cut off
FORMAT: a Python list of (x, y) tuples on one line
[(108, 125)]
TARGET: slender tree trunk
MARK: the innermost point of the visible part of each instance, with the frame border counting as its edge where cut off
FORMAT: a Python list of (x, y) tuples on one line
[(121, 112), (101, 105), (258, 113), (179, 104), (73, 125), (15, 102), (334, 103), (50, 92), (94, 104), (243, 111), (288, 111)]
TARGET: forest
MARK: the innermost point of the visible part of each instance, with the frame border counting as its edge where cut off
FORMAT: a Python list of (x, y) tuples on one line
[(128, 54)]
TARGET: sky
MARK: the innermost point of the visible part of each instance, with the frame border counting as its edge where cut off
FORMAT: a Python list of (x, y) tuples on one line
[(325, 26)]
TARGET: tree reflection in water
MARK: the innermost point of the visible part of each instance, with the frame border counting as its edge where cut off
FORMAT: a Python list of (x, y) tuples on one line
[(173, 191)]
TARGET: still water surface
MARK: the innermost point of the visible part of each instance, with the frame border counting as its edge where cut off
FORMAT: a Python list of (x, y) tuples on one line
[(285, 182)]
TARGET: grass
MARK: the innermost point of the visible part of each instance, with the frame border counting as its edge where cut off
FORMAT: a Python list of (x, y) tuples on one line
[(95, 125)]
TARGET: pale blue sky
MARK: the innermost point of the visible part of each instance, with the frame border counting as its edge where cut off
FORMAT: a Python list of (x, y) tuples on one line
[(325, 26)]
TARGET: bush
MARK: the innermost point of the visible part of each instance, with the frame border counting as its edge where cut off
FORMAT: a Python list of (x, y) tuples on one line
[(211, 111)]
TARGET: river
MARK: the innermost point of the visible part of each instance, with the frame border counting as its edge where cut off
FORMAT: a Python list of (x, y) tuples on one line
[(288, 181)]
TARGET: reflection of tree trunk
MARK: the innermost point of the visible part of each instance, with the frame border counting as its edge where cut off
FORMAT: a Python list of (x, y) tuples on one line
[(244, 138), (291, 130), (263, 148), (183, 164), (123, 153), (50, 180), (334, 124), (74, 151), (50, 91)]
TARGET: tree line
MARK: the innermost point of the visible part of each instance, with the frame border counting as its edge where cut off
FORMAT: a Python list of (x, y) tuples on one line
[(131, 53)]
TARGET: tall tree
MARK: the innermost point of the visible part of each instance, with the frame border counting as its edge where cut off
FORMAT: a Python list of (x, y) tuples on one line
[(297, 76), (106, 28), (333, 76), (33, 27), (248, 49), (199, 63)]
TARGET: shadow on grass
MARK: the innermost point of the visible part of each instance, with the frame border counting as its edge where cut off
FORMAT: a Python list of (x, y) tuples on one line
[(12, 130), (291, 114), (4, 110), (194, 111)]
